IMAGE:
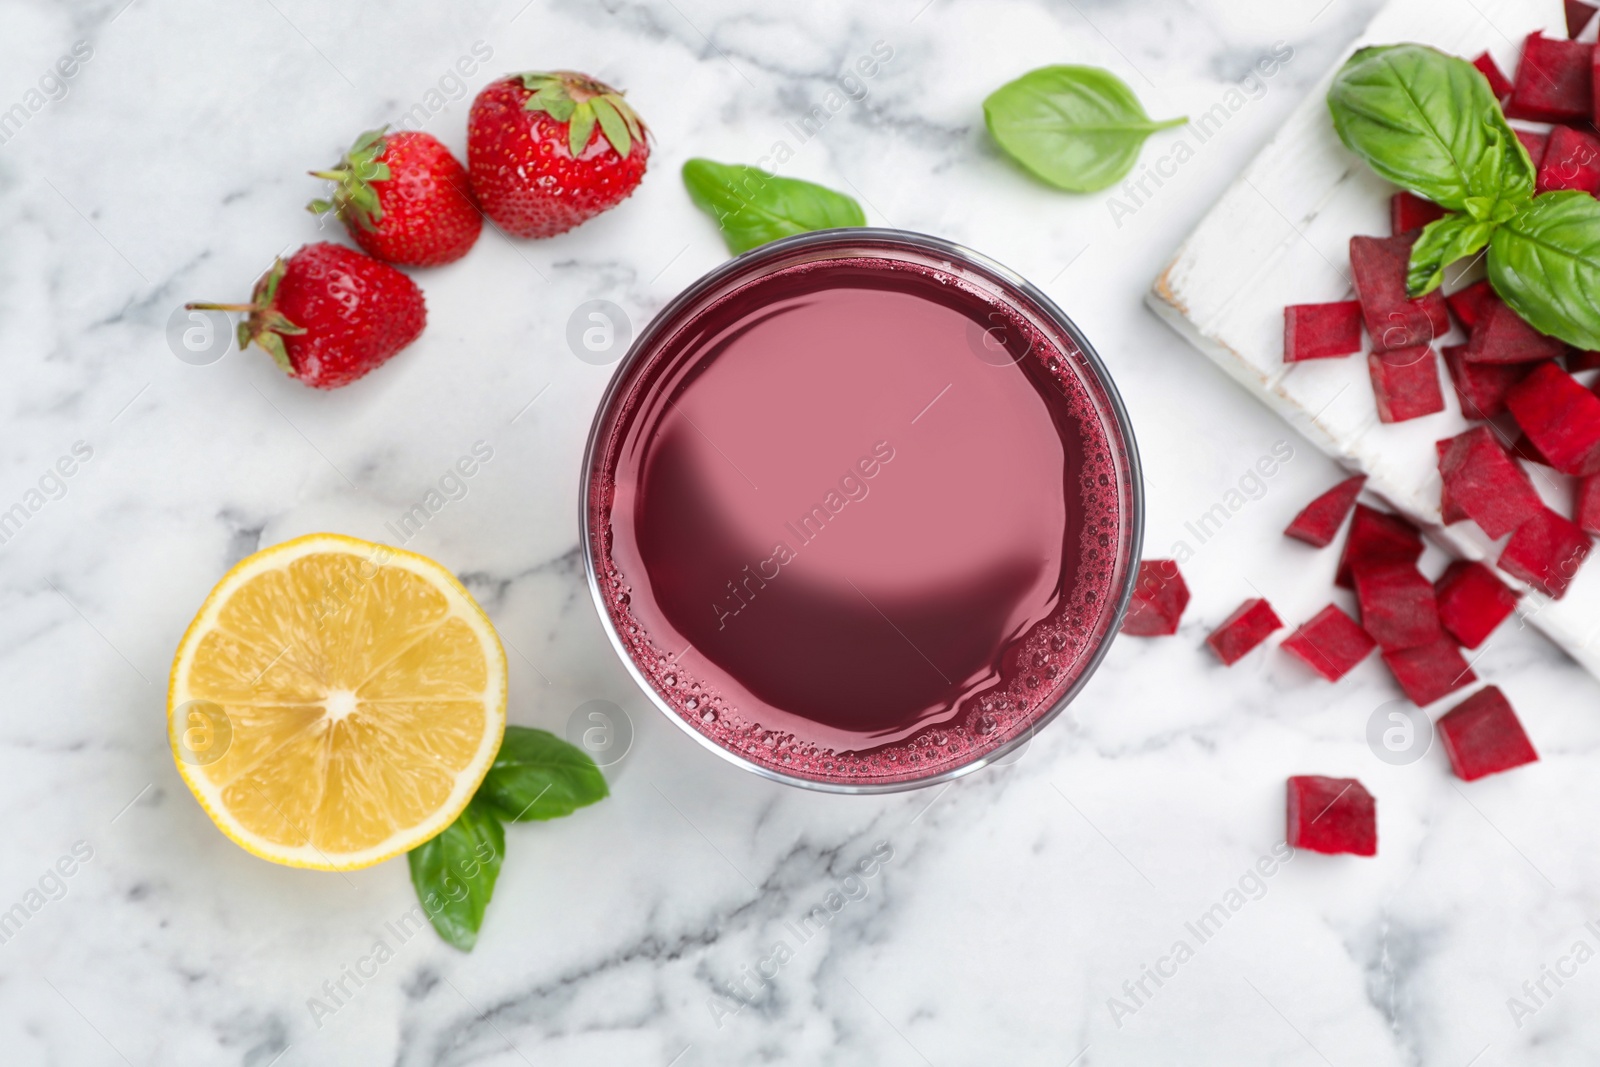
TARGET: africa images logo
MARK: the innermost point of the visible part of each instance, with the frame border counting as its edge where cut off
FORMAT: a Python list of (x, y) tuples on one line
[(853, 487)]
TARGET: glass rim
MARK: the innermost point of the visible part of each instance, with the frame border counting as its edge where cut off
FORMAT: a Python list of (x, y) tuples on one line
[(864, 237)]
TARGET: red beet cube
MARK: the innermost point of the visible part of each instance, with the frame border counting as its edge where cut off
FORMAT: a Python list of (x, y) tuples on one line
[(1546, 552), (1594, 66), (1587, 511), (1449, 510), (1319, 523), (1523, 448), (1398, 608), (1332, 815), (1429, 672), (1555, 82), (1571, 161), (1499, 84), (1467, 304), (1560, 417), (1321, 331), (1331, 643), (1582, 361), (1482, 387), (1405, 383), (1578, 16), (1244, 630), (1379, 265), (1472, 602), (1377, 537), (1408, 212), (1501, 336), (1159, 597), (1486, 483), (1534, 143), (1482, 736)]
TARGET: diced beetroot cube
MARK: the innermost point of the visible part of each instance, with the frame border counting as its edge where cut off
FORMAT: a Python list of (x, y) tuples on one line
[(1499, 84), (1321, 331), (1332, 815), (1587, 511), (1486, 483), (1571, 161), (1578, 362), (1405, 383), (1546, 552), (1379, 265), (1472, 602), (1534, 142), (1438, 312), (1429, 672), (1560, 417), (1594, 67), (1331, 643), (1482, 736), (1398, 608), (1555, 82), (1377, 537), (1408, 212), (1467, 304), (1578, 16), (1523, 448), (1482, 387), (1244, 630), (1449, 510), (1159, 597), (1501, 336), (1319, 523)]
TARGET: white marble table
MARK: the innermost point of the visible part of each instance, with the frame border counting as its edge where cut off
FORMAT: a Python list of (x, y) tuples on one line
[(1013, 904)]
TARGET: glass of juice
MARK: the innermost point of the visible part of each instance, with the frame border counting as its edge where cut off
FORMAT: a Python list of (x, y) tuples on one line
[(861, 510)]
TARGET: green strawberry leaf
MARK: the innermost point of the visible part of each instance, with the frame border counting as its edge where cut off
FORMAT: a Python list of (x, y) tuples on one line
[(612, 125), (367, 140), (270, 342), (354, 199), (635, 127), (580, 128), (582, 102), (554, 102)]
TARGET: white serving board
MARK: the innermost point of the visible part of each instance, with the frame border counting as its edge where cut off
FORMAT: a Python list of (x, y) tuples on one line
[(1280, 236)]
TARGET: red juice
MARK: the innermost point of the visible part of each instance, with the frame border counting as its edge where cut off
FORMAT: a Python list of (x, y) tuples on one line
[(861, 512)]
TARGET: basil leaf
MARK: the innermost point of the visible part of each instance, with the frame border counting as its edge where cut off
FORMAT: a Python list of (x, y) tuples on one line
[(1077, 128), (1430, 123), (754, 207), (1545, 263), (454, 873), (1442, 242), (537, 775)]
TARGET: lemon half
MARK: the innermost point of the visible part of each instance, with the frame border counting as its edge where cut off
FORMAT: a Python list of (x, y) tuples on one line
[(336, 702)]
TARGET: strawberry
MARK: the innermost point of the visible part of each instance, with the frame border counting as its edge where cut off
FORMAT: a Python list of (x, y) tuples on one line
[(550, 150), (404, 198), (329, 314)]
